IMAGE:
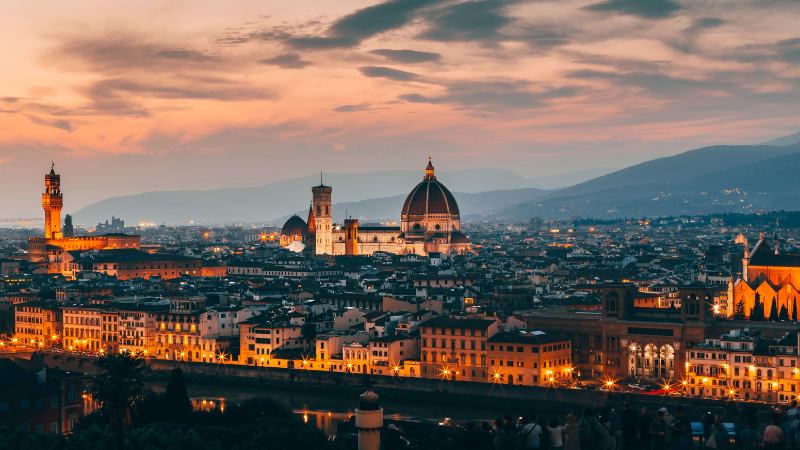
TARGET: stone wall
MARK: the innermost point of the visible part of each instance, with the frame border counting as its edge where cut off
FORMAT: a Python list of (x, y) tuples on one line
[(526, 395)]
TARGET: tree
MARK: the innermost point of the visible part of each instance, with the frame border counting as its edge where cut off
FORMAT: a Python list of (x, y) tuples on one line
[(773, 310), (7, 323), (784, 314), (176, 406), (757, 313), (739, 313), (309, 333), (117, 386), (794, 310)]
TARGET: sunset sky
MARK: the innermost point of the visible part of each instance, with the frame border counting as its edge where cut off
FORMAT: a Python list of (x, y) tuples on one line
[(129, 97)]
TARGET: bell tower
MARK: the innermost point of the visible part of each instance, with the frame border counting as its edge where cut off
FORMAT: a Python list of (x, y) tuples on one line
[(52, 202), (322, 211)]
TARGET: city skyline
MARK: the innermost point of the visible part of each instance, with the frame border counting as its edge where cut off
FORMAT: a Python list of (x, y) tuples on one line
[(229, 96)]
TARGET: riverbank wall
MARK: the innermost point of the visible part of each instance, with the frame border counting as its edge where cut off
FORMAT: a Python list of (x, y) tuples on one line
[(423, 390)]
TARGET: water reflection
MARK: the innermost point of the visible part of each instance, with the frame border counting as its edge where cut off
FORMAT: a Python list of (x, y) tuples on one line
[(326, 421), (328, 411), (208, 404)]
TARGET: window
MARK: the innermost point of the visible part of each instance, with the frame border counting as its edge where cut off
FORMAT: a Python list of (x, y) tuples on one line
[(24, 403), (3, 406), (73, 393)]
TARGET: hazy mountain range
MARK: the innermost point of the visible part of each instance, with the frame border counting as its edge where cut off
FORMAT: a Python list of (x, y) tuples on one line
[(741, 178), (273, 202)]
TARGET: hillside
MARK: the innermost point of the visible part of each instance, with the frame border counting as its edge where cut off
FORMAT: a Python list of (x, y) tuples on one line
[(761, 185), (785, 140), (683, 166), (261, 204), (388, 208)]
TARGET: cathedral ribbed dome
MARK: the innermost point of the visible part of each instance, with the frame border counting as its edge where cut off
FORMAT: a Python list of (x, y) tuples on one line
[(430, 197)]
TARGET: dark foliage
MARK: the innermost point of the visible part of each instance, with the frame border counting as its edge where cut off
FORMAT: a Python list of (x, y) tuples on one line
[(784, 314), (757, 313), (773, 310), (739, 312), (176, 404)]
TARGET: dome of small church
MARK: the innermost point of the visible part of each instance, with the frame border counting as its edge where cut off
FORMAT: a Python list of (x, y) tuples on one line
[(430, 197), (295, 226)]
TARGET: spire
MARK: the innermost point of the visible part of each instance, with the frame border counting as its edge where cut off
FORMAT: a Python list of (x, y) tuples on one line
[(312, 226), (52, 168), (429, 176)]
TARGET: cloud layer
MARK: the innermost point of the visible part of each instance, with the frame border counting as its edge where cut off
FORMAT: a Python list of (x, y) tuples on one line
[(538, 86)]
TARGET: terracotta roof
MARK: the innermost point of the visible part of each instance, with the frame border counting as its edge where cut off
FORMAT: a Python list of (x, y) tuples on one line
[(430, 197), (295, 226)]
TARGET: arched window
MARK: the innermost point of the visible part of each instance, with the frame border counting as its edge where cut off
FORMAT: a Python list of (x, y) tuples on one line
[(758, 373), (24, 403), (25, 426), (769, 373)]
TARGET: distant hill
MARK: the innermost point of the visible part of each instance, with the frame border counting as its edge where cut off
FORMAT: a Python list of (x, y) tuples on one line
[(682, 166), (265, 203), (786, 140), (388, 209), (761, 179)]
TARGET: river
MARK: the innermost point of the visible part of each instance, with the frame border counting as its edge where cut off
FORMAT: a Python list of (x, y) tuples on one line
[(327, 412)]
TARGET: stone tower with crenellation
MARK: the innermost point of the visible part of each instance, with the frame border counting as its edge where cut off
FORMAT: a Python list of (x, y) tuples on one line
[(52, 202), (323, 225)]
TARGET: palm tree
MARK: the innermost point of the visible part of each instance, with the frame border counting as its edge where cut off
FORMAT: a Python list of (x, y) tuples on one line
[(117, 386)]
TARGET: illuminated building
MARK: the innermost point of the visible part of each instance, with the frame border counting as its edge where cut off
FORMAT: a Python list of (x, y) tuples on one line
[(456, 349), (83, 328), (259, 338), (430, 223), (53, 244), (178, 331), (750, 367), (530, 357), (321, 218), (131, 263), (766, 276), (37, 322), (52, 202), (388, 354), (109, 339)]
